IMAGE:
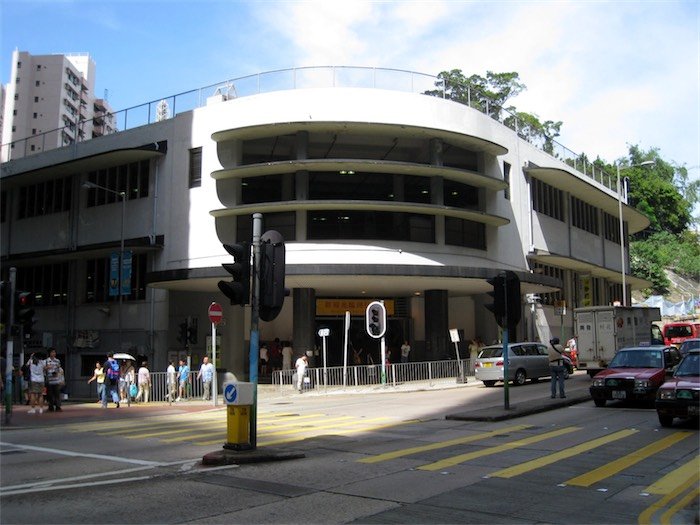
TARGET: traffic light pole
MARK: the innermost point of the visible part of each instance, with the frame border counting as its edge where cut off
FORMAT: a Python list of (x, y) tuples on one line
[(254, 328), (9, 363), (506, 353)]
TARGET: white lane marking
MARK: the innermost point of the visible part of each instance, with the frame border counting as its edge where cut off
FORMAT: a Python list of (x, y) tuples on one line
[(72, 486), (83, 455), (59, 483)]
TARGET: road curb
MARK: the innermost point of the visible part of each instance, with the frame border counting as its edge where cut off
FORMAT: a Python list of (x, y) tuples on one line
[(520, 410), (241, 457)]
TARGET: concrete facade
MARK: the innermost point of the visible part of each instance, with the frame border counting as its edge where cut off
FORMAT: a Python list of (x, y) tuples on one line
[(379, 194)]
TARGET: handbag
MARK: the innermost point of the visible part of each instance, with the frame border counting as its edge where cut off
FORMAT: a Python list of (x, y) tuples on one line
[(133, 390)]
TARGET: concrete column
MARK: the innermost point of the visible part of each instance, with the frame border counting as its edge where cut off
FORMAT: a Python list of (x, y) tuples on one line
[(436, 325), (304, 320), (435, 152)]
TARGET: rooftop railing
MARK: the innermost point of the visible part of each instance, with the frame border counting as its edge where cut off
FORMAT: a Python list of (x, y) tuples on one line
[(302, 78)]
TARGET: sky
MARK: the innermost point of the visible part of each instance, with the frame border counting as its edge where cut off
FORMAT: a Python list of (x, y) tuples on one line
[(615, 73)]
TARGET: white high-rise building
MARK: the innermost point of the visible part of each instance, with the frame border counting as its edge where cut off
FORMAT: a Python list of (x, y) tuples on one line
[(50, 102)]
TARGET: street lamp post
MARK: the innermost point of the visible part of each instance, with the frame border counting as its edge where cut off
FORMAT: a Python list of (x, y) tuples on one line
[(122, 195), (622, 227)]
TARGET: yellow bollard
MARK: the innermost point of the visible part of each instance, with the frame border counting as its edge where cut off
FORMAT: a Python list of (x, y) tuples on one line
[(238, 425)]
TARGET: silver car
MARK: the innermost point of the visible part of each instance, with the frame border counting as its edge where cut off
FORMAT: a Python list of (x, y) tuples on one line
[(526, 361)]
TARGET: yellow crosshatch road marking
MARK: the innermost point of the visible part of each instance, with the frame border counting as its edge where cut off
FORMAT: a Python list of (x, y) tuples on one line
[(442, 444), (681, 486), (605, 471), (341, 422), (670, 482), (147, 420), (262, 442), (528, 466), (215, 427), (456, 460)]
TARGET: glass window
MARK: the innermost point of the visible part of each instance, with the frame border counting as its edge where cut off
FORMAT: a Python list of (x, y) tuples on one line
[(370, 225), (97, 275), (195, 173), (284, 223), (351, 186), (461, 232), (267, 188), (460, 195), (547, 199)]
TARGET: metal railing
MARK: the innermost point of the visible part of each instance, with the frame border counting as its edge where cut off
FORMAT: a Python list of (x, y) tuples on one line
[(317, 77), (319, 378), (159, 387), (366, 375)]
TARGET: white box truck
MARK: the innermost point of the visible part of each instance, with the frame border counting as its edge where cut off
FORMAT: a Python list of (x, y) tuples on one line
[(602, 330)]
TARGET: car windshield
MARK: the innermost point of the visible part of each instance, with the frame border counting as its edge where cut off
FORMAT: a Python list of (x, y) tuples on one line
[(690, 365), (638, 359), (679, 331), (687, 346), (489, 352)]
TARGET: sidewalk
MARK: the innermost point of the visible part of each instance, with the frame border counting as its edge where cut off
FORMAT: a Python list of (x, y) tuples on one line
[(74, 411)]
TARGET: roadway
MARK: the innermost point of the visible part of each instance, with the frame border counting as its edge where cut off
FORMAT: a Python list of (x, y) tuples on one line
[(375, 456)]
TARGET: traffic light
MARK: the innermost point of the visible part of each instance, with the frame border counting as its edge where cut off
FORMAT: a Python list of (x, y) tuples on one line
[(272, 271), (506, 299), (498, 307), (24, 311), (513, 306), (375, 319), (5, 303), (182, 335), (192, 330), (238, 290)]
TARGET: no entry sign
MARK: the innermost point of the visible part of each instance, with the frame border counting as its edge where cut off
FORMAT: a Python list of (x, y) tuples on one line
[(215, 313)]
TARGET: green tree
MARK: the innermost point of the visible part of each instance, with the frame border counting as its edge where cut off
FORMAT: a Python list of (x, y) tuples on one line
[(487, 94), (655, 192)]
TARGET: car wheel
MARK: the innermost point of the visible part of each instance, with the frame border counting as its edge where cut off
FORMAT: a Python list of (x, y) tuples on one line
[(520, 377), (599, 402), (566, 373), (666, 421), (489, 383)]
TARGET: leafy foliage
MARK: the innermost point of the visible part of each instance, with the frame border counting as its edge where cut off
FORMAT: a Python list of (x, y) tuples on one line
[(662, 192), (489, 95)]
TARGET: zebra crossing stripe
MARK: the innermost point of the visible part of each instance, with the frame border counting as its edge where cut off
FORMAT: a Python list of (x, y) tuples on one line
[(441, 444), (609, 469), (461, 458), (534, 464)]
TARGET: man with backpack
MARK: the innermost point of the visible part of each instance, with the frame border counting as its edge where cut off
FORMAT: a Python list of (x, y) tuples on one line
[(111, 379)]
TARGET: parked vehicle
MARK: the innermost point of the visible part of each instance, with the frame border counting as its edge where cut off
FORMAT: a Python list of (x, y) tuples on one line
[(680, 395), (688, 345), (525, 361), (634, 374), (602, 330), (676, 333)]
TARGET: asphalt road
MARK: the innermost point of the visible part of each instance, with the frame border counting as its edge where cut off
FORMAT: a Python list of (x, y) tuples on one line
[(376, 456)]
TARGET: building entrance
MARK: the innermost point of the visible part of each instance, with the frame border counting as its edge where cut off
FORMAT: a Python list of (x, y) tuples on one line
[(362, 349)]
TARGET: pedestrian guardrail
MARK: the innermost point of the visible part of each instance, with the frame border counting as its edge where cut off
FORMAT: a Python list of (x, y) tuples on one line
[(364, 375)]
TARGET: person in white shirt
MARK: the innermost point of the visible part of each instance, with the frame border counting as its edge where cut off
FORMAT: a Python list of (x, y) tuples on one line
[(287, 354), (405, 350), (37, 371), (301, 365), (206, 374), (144, 383), (171, 377)]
